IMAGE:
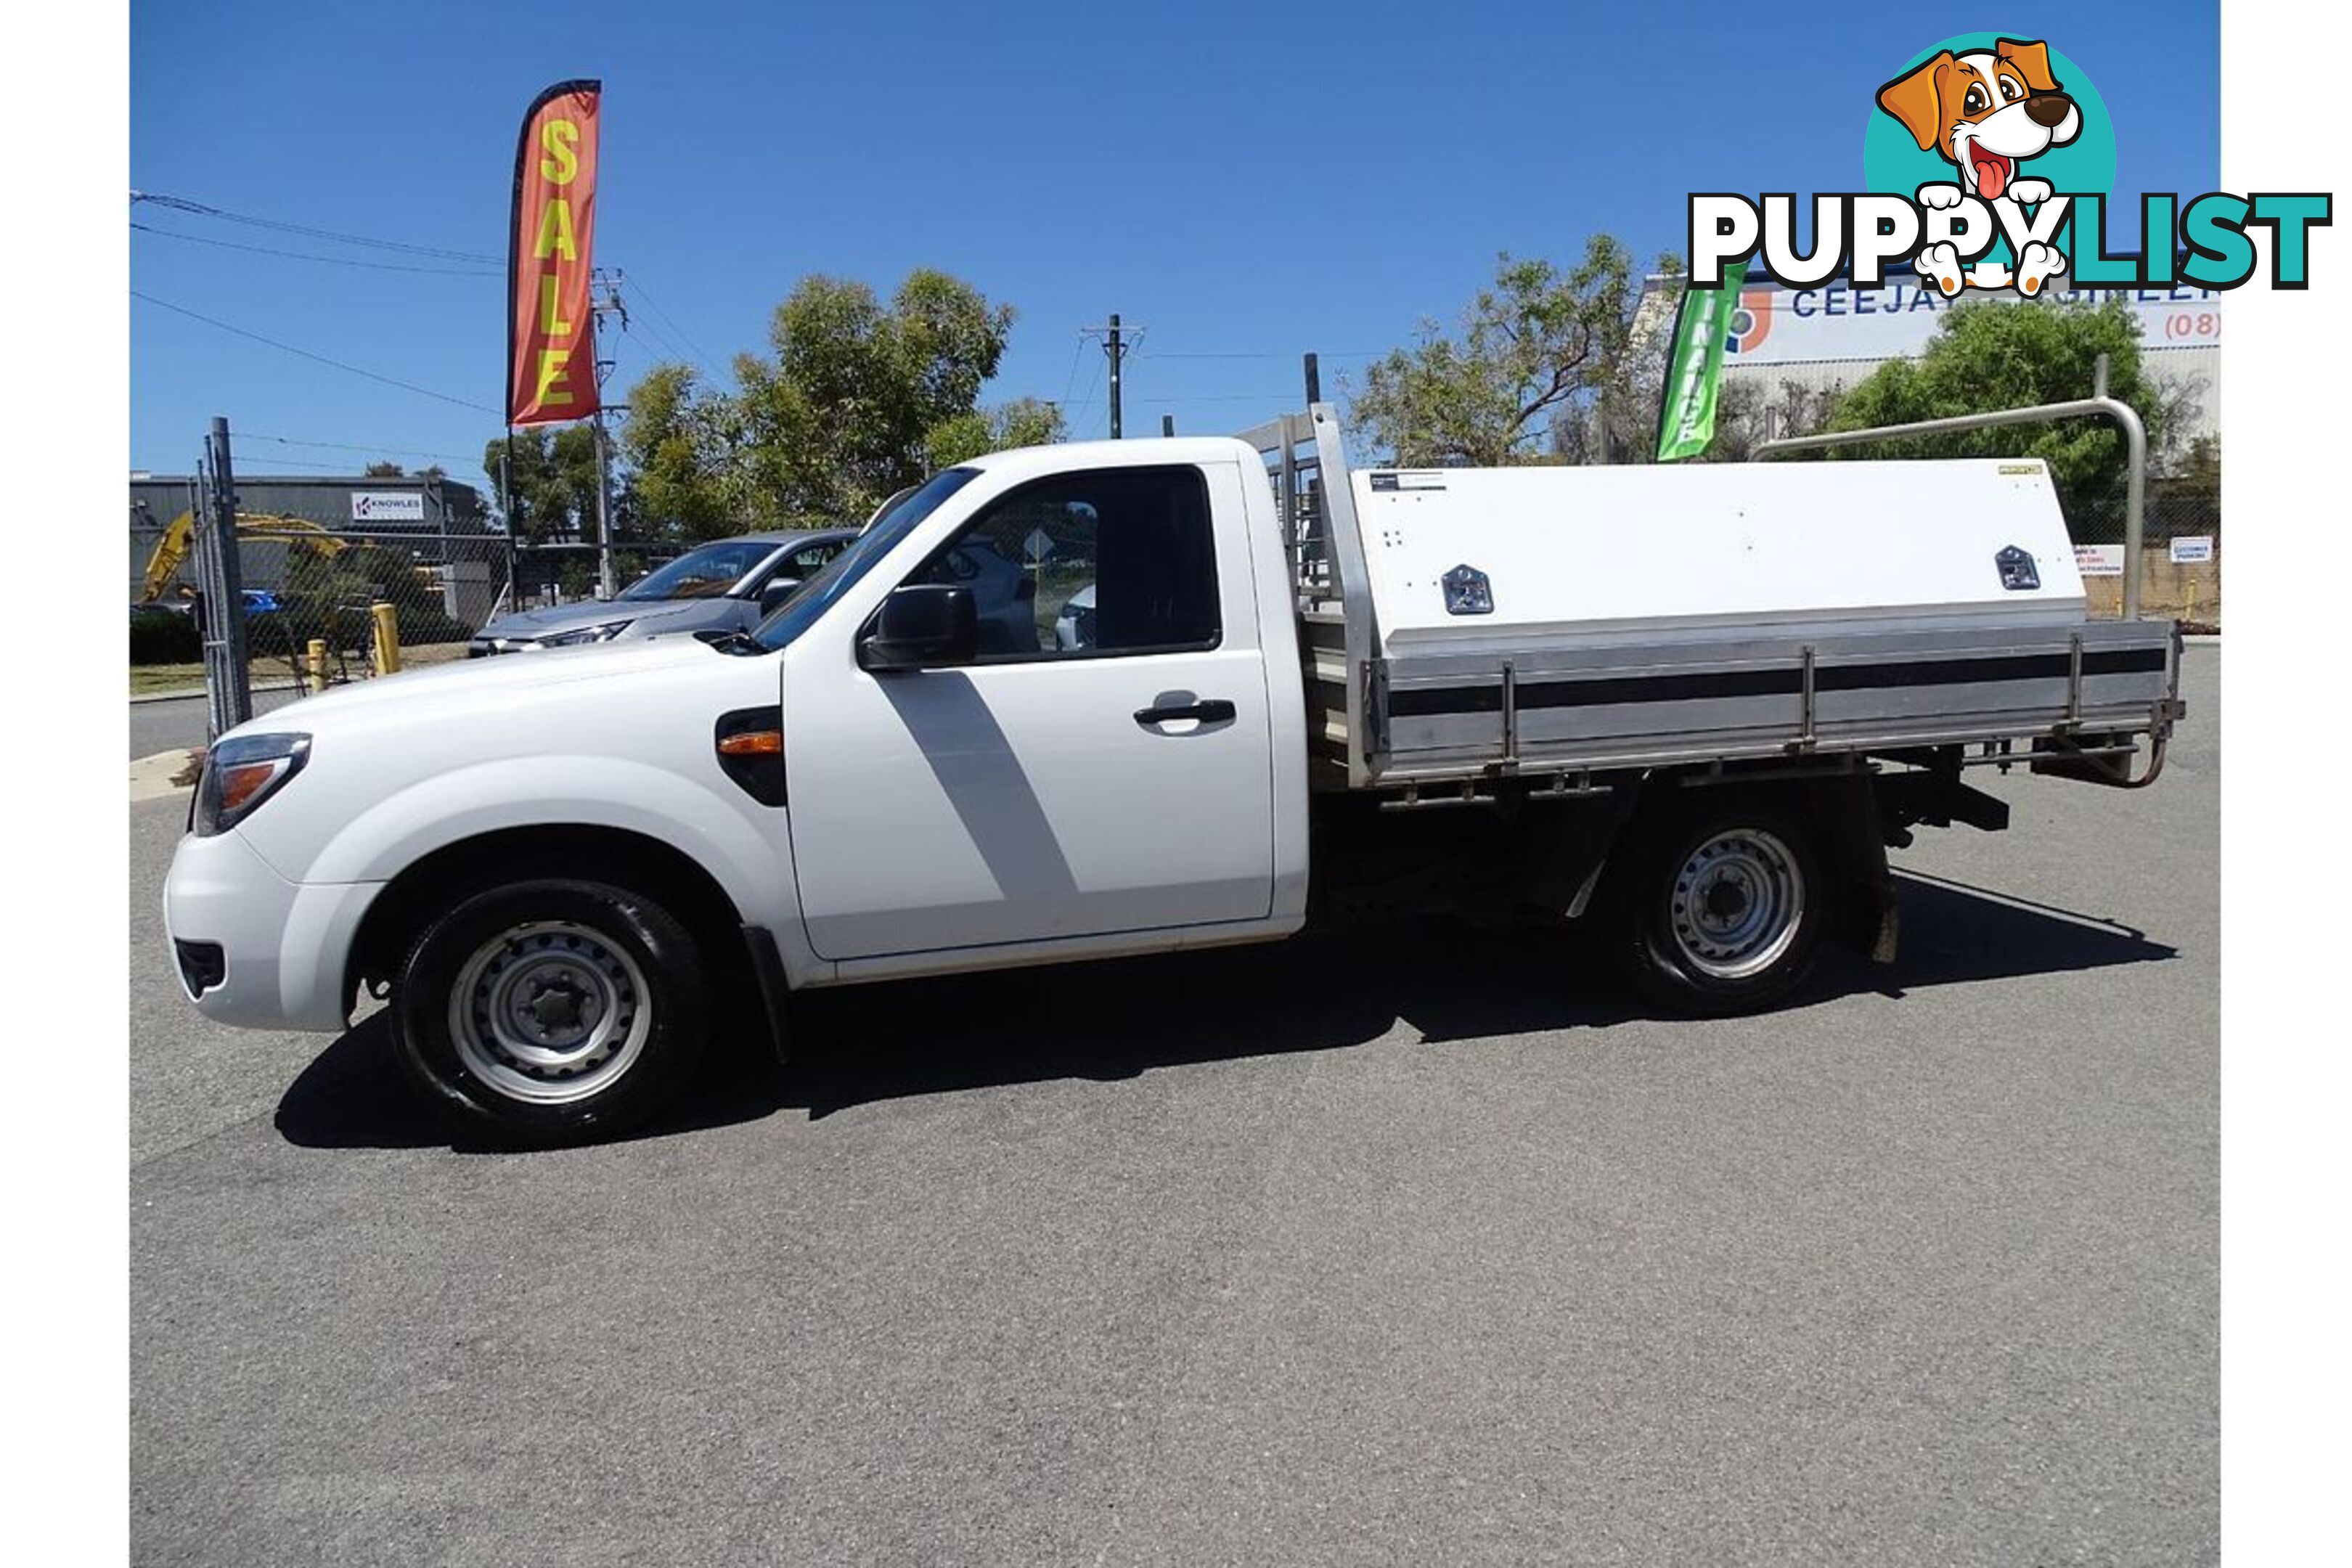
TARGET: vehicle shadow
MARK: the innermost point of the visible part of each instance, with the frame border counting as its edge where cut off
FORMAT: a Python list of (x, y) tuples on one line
[(1114, 1020)]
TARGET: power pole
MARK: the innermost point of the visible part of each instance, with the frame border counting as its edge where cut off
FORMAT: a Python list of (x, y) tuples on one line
[(1112, 348), (1118, 341), (604, 301)]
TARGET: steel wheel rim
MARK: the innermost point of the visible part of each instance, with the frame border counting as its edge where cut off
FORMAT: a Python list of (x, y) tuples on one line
[(1736, 903), (550, 1012)]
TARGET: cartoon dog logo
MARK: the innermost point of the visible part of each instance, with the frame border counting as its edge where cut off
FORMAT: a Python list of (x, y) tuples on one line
[(1986, 113)]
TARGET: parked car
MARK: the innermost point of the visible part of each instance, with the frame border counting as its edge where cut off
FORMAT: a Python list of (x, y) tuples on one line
[(1074, 628), (728, 585), (1004, 594), (258, 601), (1698, 736)]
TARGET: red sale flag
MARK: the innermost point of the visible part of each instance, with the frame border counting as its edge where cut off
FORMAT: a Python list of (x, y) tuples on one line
[(551, 348)]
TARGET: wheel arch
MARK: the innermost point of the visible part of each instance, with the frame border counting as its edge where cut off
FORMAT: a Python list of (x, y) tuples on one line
[(1844, 806), (592, 851)]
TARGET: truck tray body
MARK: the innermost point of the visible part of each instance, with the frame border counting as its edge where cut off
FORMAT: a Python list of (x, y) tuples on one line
[(1460, 624)]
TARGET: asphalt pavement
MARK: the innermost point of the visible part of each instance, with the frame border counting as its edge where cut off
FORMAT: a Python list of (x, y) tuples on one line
[(177, 723), (1417, 1249)]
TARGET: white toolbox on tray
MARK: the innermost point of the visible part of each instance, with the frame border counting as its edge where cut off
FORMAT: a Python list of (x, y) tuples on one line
[(1468, 559)]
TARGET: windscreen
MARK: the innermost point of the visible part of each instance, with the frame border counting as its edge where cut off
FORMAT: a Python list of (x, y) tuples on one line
[(834, 578), (703, 574)]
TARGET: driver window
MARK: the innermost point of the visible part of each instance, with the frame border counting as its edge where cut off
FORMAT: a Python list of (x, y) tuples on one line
[(1116, 561)]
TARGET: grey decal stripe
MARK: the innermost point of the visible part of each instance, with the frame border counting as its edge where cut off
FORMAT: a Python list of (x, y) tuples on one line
[(1419, 702)]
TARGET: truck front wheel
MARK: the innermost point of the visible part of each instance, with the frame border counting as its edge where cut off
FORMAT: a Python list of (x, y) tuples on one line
[(542, 1012), (1717, 905)]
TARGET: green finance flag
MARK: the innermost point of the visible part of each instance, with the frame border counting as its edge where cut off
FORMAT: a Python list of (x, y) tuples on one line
[(1694, 369)]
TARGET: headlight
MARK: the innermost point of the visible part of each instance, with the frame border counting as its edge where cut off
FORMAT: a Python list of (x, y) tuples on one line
[(239, 774), (604, 632)]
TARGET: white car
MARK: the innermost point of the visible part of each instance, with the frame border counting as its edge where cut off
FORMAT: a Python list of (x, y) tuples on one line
[(1486, 693)]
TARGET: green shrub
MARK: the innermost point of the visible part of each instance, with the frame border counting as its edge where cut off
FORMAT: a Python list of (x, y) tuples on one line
[(270, 635), (164, 637)]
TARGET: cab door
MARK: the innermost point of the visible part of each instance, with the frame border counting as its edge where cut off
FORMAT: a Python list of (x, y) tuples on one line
[(1102, 765)]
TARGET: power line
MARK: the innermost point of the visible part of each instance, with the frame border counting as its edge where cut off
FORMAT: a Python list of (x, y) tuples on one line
[(1344, 353), (200, 209), (1069, 414), (699, 354), (1070, 382), (491, 267), (357, 446), (1226, 397), (628, 339), (311, 256), (340, 470), (305, 353), (660, 339)]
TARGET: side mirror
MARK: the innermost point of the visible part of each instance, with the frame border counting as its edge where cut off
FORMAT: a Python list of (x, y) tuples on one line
[(922, 625), (772, 596)]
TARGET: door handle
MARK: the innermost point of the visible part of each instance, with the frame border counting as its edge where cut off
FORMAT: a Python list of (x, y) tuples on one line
[(1208, 711)]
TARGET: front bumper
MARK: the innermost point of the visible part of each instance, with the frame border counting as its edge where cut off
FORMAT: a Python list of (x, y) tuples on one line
[(280, 950)]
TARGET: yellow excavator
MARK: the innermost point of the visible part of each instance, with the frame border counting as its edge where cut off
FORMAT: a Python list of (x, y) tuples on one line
[(171, 551)]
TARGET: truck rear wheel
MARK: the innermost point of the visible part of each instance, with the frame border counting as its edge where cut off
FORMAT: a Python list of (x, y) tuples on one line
[(548, 1011), (1717, 905)]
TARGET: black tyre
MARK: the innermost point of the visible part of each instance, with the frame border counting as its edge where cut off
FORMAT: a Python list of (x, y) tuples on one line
[(551, 1011), (1716, 903)]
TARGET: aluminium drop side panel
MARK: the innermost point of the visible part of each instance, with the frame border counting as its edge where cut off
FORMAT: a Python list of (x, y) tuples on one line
[(1639, 700), (1571, 555)]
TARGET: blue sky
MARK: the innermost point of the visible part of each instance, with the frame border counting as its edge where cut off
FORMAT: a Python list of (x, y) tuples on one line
[(1245, 182)]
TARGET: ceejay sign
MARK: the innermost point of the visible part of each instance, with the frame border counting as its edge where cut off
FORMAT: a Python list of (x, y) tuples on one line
[(1773, 325)]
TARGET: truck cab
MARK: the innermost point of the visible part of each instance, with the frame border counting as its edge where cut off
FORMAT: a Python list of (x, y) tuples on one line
[(1037, 796)]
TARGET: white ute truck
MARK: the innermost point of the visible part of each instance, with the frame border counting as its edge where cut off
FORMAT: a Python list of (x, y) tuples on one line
[(1688, 707)]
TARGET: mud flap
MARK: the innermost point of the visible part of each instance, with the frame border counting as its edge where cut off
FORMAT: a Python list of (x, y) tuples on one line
[(1847, 809), (768, 970)]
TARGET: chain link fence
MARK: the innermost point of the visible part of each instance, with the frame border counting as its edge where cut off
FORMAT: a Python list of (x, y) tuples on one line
[(2180, 553), (311, 598), (304, 584), (311, 602)]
